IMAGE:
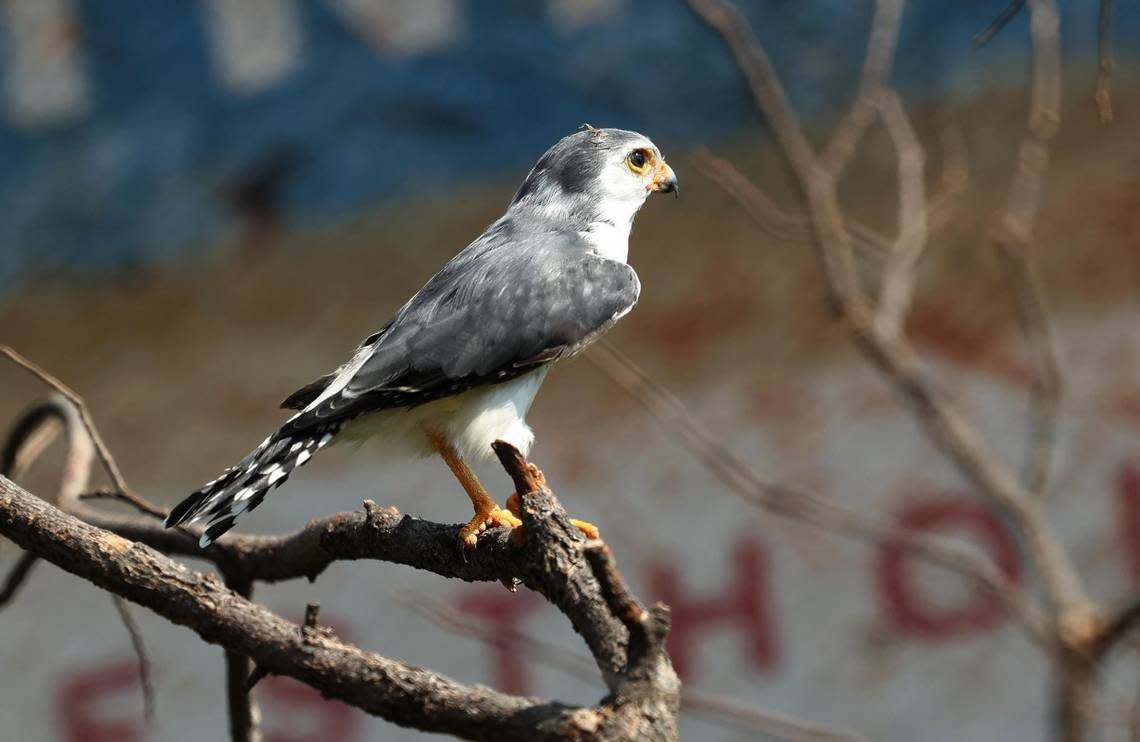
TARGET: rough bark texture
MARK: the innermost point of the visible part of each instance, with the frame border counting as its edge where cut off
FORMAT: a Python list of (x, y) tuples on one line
[(396, 691)]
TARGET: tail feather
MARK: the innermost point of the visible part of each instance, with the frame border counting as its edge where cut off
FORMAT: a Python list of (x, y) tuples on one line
[(243, 486)]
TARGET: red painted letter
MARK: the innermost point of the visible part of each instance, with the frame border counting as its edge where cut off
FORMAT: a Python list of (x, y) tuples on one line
[(82, 699), (905, 606), (1128, 490), (505, 612), (743, 604)]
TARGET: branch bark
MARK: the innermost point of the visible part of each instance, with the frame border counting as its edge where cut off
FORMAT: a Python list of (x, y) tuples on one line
[(115, 553), (399, 692)]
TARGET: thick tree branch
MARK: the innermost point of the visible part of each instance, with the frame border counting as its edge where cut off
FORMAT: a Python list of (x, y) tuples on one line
[(396, 691), (544, 564), (643, 704)]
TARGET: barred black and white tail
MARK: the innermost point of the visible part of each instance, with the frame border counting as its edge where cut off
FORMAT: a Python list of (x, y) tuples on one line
[(242, 487)]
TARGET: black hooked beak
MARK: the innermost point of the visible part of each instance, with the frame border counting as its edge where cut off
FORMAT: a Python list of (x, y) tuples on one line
[(665, 181)]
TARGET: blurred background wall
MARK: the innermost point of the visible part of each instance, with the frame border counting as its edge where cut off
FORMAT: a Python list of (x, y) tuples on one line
[(203, 205)]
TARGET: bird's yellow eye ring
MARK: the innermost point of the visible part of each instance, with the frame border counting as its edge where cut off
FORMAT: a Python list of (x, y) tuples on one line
[(638, 160)]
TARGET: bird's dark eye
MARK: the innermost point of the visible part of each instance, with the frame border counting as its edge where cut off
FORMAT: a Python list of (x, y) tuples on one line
[(637, 159)]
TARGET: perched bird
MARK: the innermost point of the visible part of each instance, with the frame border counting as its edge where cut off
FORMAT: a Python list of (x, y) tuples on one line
[(459, 365)]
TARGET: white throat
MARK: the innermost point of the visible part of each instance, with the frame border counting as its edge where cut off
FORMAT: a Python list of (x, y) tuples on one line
[(608, 234), (609, 240)]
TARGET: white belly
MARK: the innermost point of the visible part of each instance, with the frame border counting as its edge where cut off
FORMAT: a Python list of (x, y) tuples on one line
[(470, 421)]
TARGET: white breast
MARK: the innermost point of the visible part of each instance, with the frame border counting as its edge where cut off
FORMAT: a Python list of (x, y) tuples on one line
[(470, 421)]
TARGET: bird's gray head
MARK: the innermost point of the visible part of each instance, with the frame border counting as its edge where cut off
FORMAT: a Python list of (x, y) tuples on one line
[(595, 176)]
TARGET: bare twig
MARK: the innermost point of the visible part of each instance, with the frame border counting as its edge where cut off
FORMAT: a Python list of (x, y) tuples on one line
[(1010, 12), (897, 283), (16, 577), (776, 222), (1104, 63), (1014, 239), (1117, 629), (895, 359), (877, 65), (244, 714), (24, 444), (130, 498), (766, 722), (145, 676), (105, 456), (787, 226), (1036, 329), (614, 590), (811, 507), (647, 629), (259, 673), (31, 435)]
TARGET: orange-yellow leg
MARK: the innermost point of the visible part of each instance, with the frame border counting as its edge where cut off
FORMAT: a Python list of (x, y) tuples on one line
[(589, 530), (487, 511)]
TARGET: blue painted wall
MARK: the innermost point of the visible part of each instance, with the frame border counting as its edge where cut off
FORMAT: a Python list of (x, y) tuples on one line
[(141, 175)]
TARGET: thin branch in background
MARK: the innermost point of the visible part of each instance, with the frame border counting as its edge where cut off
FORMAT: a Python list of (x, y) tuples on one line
[(953, 179), (817, 184), (773, 220), (777, 223), (459, 623), (16, 577), (712, 707), (129, 498), (1046, 386), (1117, 629), (810, 507), (1105, 62), (769, 723), (27, 440), (786, 226), (31, 435), (259, 673), (1014, 238), (244, 714), (1010, 12), (894, 358), (897, 285), (877, 64), (105, 456), (145, 676)]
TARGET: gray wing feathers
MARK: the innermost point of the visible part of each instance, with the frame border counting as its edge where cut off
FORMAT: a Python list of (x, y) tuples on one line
[(494, 312)]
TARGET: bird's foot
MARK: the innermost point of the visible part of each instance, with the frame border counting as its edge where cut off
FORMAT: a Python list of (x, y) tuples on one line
[(514, 504), (486, 518)]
